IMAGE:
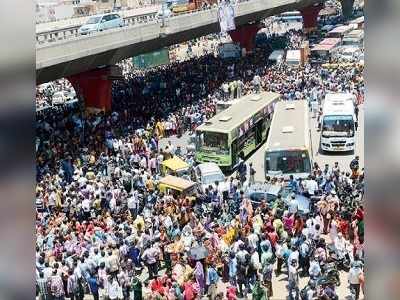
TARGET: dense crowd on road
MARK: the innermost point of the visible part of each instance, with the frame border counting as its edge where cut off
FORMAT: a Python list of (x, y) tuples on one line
[(104, 228), (45, 93)]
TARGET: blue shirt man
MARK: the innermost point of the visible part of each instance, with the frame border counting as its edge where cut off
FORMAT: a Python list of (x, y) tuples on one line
[(94, 287), (212, 276)]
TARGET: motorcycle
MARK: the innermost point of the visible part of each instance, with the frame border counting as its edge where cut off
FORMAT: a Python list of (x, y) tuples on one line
[(340, 258), (330, 274)]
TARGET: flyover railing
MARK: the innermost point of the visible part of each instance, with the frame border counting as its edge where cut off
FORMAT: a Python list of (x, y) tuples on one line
[(71, 31)]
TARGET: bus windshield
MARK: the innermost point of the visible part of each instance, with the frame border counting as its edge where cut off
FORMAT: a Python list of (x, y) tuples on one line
[(338, 126), (212, 142), (288, 162)]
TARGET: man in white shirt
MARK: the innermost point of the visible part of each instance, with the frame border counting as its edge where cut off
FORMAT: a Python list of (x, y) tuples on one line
[(355, 278), (133, 204), (340, 244), (314, 270), (113, 288), (253, 239), (294, 256), (293, 280), (311, 186), (293, 206), (86, 205), (150, 257)]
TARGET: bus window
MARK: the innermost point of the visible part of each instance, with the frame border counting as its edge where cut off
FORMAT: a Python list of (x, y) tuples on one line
[(213, 141), (287, 162)]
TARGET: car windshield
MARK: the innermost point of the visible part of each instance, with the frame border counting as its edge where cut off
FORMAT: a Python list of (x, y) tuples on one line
[(211, 178), (213, 142), (93, 20), (338, 126)]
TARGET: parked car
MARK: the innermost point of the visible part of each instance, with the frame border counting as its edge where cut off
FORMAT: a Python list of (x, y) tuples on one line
[(207, 174), (260, 191), (59, 98), (100, 23)]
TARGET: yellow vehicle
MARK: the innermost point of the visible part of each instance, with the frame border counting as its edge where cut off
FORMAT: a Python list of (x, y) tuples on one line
[(183, 7), (177, 186), (174, 166)]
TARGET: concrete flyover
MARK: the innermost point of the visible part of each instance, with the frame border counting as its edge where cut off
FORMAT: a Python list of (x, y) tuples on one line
[(77, 55), (65, 29)]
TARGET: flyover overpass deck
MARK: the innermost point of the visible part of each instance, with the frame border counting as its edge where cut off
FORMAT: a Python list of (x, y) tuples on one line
[(76, 55)]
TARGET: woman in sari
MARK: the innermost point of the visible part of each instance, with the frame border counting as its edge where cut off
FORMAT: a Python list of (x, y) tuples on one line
[(199, 275)]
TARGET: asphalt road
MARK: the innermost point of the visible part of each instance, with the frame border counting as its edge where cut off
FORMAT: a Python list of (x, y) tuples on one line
[(344, 159), (257, 158)]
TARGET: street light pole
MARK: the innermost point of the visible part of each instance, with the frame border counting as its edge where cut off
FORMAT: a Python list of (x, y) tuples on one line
[(163, 13)]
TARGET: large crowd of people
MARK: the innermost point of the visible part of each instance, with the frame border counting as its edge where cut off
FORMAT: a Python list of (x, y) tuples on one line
[(103, 227)]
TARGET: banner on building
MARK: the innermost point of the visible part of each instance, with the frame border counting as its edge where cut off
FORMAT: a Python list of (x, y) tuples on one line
[(226, 16), (152, 59)]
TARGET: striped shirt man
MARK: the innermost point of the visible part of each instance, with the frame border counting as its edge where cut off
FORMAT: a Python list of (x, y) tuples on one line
[(42, 287)]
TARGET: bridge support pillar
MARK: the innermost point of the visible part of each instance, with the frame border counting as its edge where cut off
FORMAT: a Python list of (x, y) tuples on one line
[(347, 8), (310, 16), (94, 86), (245, 36)]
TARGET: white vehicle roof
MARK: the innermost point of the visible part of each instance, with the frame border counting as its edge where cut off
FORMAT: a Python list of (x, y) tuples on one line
[(209, 168), (293, 55), (349, 49), (229, 102), (338, 104), (105, 14), (276, 54)]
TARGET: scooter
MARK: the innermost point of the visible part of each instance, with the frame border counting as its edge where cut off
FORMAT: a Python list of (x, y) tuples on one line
[(330, 274), (341, 258)]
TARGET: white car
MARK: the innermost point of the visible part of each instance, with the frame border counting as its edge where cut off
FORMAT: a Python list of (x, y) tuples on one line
[(348, 53), (58, 98), (208, 173), (100, 23)]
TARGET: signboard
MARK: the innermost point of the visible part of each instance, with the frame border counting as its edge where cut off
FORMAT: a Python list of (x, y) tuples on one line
[(152, 59), (226, 16)]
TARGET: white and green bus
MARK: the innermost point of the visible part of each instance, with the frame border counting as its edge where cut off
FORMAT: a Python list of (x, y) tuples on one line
[(236, 131), (288, 149)]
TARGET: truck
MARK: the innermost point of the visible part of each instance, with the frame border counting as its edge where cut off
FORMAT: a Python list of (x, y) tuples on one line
[(337, 123), (171, 7)]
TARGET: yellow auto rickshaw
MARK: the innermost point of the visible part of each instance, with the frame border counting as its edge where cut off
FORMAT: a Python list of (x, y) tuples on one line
[(176, 167), (177, 186)]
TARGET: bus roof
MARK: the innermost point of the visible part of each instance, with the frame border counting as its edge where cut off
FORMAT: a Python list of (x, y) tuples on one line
[(341, 29), (338, 104), (356, 33), (339, 97), (289, 128), (232, 117)]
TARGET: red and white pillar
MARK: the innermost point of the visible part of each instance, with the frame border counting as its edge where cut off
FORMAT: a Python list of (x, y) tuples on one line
[(310, 16), (95, 87), (245, 36)]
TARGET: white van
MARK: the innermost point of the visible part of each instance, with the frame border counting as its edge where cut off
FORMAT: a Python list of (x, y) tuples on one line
[(101, 22), (293, 58)]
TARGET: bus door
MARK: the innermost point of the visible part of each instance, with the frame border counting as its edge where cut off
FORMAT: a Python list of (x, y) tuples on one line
[(259, 129), (234, 152)]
